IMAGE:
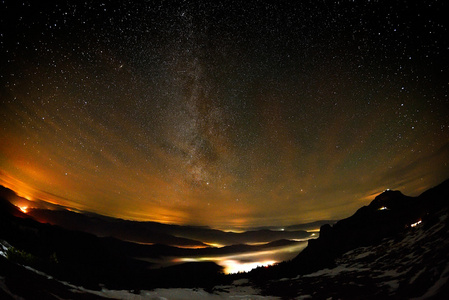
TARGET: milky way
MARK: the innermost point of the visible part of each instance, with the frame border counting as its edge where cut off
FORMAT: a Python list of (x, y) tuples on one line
[(229, 114)]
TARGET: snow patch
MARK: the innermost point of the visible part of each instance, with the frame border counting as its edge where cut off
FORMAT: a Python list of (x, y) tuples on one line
[(417, 275), (393, 285), (183, 293), (392, 273), (304, 297), (4, 246), (363, 255)]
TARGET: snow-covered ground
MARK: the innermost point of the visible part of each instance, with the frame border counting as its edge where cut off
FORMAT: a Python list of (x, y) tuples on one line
[(240, 289)]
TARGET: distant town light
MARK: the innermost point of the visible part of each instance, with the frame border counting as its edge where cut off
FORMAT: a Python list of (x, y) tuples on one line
[(383, 208), (416, 224)]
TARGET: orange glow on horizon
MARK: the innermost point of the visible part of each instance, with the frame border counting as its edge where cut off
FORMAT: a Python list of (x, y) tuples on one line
[(215, 245), (24, 209), (192, 247)]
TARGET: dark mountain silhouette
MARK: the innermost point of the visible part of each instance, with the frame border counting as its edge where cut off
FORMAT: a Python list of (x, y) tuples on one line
[(6, 208), (103, 226), (311, 225), (84, 259), (153, 232), (389, 215), (87, 260)]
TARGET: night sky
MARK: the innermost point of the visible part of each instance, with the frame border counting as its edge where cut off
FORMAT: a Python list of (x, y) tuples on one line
[(230, 113)]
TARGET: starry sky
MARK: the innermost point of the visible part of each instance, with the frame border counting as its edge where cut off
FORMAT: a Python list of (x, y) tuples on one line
[(230, 114)]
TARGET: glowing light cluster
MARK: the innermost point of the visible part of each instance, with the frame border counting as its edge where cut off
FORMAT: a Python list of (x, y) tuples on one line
[(245, 262), (235, 266), (416, 223)]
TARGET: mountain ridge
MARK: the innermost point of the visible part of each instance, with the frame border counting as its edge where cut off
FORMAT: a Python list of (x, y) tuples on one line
[(153, 232)]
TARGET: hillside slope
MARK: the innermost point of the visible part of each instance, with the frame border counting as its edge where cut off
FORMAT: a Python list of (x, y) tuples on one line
[(396, 248)]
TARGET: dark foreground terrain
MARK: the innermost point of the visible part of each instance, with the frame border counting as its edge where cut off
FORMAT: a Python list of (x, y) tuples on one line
[(395, 248)]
